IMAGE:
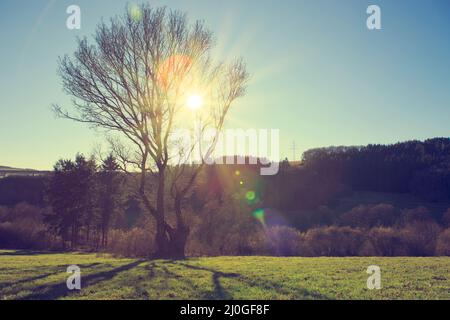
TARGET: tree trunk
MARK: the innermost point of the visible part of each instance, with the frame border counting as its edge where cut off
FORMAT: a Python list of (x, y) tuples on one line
[(64, 238), (178, 242), (178, 237), (72, 239), (88, 234), (170, 242), (104, 240), (162, 239)]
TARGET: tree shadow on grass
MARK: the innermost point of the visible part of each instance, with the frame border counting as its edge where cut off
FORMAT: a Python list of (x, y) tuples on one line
[(296, 293), (26, 253), (30, 279), (55, 270), (156, 271), (59, 290), (160, 270), (221, 294)]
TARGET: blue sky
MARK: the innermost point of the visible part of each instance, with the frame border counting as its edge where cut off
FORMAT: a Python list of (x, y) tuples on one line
[(318, 74)]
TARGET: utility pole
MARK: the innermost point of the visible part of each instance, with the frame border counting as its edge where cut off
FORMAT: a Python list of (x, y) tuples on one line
[(294, 149)]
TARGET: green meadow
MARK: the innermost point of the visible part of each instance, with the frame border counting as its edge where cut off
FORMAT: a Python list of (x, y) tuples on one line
[(34, 275)]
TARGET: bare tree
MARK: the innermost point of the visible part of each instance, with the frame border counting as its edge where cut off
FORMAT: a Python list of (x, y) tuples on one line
[(134, 80)]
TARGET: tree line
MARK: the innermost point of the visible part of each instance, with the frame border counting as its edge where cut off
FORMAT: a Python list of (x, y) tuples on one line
[(83, 197), (418, 167)]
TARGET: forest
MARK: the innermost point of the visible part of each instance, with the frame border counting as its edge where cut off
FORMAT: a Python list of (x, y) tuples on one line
[(90, 205)]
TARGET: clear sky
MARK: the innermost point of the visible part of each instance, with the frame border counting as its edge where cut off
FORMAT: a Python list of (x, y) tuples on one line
[(318, 74)]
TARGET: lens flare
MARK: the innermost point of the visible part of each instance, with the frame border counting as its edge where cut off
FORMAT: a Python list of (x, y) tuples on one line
[(250, 195), (260, 215), (172, 68), (135, 12)]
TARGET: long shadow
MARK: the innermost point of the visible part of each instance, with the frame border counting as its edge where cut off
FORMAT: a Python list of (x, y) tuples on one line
[(160, 270), (26, 253), (30, 279), (44, 267), (56, 270), (221, 294), (59, 290), (153, 271), (300, 293)]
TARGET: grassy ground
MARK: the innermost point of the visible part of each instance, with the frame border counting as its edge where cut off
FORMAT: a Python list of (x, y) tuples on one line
[(25, 275)]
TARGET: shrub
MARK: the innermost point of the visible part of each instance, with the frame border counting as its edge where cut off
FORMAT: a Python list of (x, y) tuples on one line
[(386, 242), (259, 245), (14, 235), (420, 237), (137, 242), (334, 241), (443, 243), (21, 227), (284, 241), (369, 216), (223, 231)]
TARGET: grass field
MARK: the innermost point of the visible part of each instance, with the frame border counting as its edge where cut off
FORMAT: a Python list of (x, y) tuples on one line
[(32, 275)]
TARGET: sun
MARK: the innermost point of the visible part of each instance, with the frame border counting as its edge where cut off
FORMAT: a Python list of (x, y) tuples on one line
[(194, 102)]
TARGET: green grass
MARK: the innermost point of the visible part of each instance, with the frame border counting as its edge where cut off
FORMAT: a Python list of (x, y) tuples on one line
[(25, 275)]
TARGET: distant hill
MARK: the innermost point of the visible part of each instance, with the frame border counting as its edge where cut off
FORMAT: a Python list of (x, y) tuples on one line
[(14, 172), (5, 168)]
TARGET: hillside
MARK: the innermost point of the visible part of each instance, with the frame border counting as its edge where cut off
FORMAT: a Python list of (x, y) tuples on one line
[(4, 168), (33, 275), (10, 171), (398, 200), (13, 172)]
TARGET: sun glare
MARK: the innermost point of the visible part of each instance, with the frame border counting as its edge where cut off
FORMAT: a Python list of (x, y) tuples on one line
[(194, 102)]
